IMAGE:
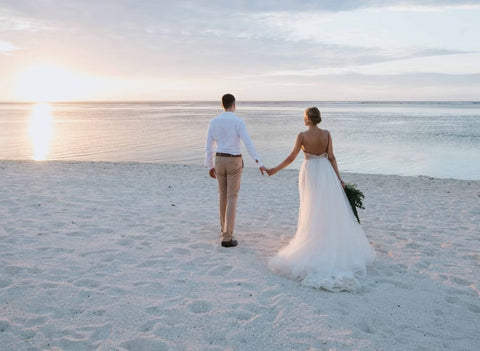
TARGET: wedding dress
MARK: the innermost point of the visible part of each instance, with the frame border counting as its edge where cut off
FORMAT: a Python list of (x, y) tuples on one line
[(330, 249)]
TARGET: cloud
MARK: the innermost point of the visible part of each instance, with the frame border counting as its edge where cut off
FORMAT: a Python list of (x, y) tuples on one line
[(446, 64), (10, 22), (283, 42), (255, 6), (6, 47)]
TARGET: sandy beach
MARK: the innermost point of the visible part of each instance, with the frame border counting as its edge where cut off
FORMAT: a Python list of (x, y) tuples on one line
[(126, 256)]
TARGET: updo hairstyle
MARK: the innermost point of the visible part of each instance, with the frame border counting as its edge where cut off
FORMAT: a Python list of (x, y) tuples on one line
[(313, 115)]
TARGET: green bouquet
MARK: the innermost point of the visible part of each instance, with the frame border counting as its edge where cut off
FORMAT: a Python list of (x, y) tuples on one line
[(355, 197)]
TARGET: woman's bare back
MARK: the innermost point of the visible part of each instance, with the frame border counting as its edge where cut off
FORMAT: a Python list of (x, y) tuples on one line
[(315, 141)]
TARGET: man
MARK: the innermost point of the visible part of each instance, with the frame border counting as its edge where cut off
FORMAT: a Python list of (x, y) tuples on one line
[(226, 131)]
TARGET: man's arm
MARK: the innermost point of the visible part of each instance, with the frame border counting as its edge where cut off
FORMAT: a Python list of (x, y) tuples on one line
[(249, 145), (209, 149)]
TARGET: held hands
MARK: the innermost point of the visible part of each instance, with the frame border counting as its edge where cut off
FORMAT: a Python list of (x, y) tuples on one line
[(261, 168), (271, 171)]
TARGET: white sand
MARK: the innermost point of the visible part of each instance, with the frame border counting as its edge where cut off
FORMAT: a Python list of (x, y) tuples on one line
[(104, 256)]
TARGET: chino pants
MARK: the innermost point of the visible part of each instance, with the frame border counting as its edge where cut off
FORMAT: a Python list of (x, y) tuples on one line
[(229, 173)]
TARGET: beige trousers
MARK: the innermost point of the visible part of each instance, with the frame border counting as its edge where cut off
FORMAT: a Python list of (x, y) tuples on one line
[(229, 173)]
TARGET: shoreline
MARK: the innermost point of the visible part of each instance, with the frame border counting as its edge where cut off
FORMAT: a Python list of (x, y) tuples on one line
[(109, 255), (247, 166)]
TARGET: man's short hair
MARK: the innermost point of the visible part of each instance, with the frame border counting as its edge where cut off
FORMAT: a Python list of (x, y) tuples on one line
[(227, 101)]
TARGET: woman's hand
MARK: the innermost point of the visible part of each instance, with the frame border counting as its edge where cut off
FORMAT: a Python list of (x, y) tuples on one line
[(271, 171)]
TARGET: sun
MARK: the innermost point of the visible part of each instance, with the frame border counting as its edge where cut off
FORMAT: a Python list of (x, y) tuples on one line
[(48, 83)]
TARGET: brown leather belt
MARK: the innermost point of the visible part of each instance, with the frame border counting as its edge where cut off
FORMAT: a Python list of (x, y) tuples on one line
[(222, 154)]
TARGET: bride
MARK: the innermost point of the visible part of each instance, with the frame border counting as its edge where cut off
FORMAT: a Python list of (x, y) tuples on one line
[(330, 249)]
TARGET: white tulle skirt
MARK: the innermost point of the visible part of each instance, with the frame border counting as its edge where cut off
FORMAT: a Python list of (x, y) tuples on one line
[(330, 249)]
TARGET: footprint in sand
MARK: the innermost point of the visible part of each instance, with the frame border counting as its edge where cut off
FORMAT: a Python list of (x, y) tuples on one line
[(108, 259), (473, 308), (413, 245), (96, 253), (145, 343), (139, 237), (86, 283), (13, 270), (152, 263), (155, 311), (4, 326), (152, 285), (201, 246), (113, 291), (396, 283), (452, 299), (75, 233), (301, 336), (180, 251), (272, 293), (221, 270), (423, 264), (35, 322), (149, 325), (125, 242), (102, 332), (242, 315), (157, 229), (199, 306), (27, 334), (367, 326), (461, 281), (4, 283), (99, 313), (238, 284)]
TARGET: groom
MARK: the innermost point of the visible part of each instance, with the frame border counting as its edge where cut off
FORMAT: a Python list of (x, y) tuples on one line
[(226, 131)]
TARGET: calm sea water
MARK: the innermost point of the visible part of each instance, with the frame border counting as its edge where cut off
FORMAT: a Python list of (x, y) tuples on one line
[(438, 139)]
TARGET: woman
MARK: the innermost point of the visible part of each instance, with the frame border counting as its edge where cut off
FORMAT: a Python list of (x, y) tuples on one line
[(330, 249)]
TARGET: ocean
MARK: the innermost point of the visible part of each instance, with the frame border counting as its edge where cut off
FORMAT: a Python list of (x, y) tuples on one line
[(436, 139)]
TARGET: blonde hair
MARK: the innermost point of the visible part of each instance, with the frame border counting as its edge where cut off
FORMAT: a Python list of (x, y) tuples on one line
[(313, 115)]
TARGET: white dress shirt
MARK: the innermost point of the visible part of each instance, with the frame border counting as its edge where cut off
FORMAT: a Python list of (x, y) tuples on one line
[(227, 130)]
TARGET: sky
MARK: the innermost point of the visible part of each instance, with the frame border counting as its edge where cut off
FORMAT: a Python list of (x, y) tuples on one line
[(276, 50)]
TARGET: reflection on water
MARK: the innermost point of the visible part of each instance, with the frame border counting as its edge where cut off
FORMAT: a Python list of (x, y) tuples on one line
[(41, 130)]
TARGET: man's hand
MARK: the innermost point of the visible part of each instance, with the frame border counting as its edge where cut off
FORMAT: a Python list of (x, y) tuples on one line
[(212, 173), (263, 169)]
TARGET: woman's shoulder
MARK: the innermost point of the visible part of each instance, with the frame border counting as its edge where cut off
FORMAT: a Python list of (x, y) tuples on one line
[(324, 131), (300, 138)]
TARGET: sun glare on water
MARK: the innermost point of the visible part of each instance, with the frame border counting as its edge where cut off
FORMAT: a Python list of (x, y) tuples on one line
[(40, 130)]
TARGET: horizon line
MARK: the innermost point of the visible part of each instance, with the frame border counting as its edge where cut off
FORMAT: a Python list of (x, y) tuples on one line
[(183, 101)]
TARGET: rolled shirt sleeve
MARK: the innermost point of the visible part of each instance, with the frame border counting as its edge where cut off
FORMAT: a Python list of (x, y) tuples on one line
[(209, 149)]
